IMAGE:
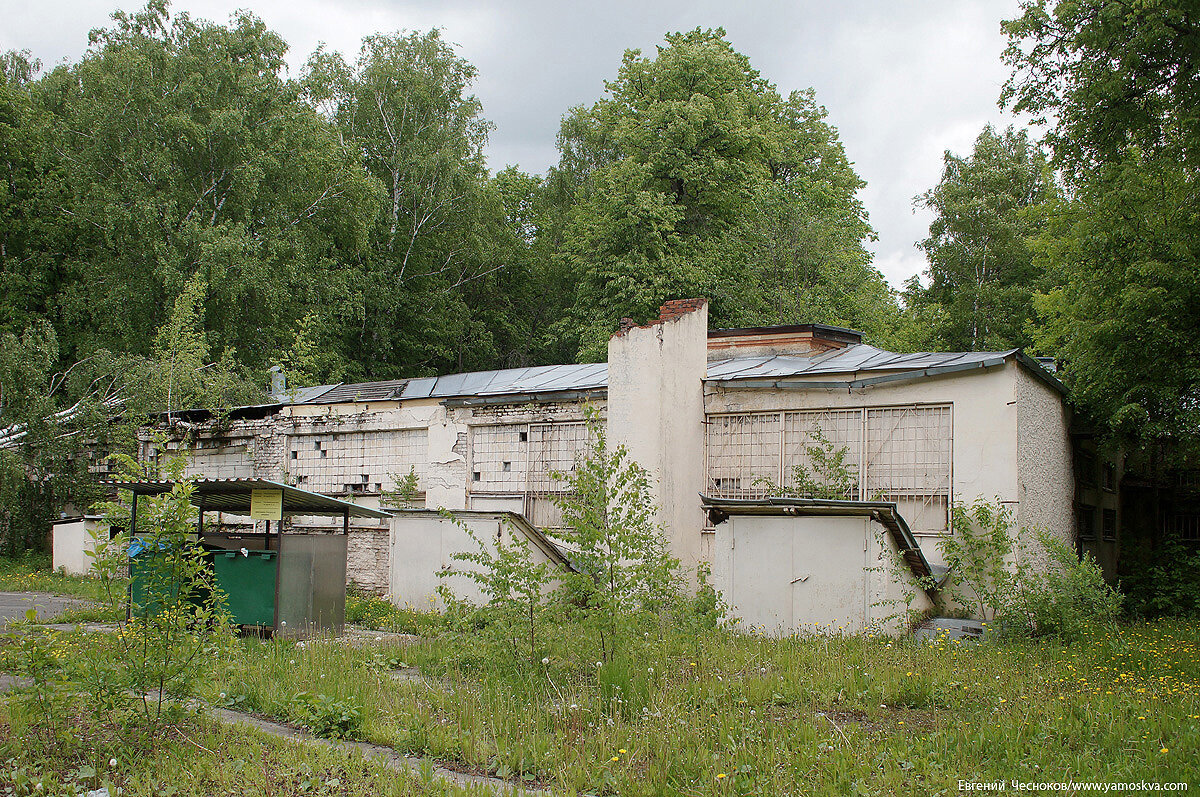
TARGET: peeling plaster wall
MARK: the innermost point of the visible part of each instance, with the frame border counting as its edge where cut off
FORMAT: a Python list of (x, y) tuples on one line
[(368, 560), (656, 409)]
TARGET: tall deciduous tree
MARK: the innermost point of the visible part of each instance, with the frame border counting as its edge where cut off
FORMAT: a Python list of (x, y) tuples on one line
[(981, 270), (694, 177), (183, 150), (1120, 80), (404, 107)]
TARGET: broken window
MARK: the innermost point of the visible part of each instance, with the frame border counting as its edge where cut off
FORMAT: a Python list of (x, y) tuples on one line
[(513, 466)]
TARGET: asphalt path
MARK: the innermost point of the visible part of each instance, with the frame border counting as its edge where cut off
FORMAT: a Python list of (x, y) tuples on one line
[(13, 605)]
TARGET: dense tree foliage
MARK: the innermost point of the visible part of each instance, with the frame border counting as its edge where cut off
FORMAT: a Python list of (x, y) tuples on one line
[(981, 273), (693, 177), (1121, 82)]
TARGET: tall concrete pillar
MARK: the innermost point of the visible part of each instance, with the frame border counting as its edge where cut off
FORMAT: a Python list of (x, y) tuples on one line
[(656, 410)]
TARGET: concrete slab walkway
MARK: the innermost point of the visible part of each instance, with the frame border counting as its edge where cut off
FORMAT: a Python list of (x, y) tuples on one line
[(13, 605)]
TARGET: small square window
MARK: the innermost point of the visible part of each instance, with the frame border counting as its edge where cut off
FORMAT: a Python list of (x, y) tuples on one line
[(317, 445), (475, 476), (506, 466), (523, 437), (324, 453), (295, 455)]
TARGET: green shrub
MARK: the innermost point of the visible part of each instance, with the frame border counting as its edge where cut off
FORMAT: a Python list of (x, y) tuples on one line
[(1068, 600), (1163, 582), (381, 615)]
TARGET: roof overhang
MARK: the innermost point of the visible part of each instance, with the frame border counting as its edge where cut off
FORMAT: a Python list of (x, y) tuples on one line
[(233, 496), (886, 513), (526, 398)]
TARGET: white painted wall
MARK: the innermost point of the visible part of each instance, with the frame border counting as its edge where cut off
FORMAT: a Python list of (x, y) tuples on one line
[(70, 541), (423, 544), (1044, 468), (985, 411), (656, 410), (785, 575)]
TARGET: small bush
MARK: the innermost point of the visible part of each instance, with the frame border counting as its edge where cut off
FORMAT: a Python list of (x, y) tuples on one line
[(328, 716), (1164, 582), (1068, 600)]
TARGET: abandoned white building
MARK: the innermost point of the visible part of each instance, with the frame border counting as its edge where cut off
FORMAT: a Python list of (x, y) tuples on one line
[(718, 413)]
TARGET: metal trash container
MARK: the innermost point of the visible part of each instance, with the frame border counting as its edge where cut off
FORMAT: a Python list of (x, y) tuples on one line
[(247, 578)]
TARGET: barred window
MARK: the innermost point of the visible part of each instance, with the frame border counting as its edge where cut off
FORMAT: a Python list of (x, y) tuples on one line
[(901, 454)]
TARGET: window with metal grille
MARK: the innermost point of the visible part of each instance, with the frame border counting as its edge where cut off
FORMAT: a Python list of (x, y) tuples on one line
[(901, 454), (1185, 525), (1108, 524), (357, 462), (521, 461), (1085, 519)]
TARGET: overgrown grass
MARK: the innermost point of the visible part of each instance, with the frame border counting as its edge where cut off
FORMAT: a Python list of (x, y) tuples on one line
[(686, 711), (33, 574), (381, 615), (694, 713), (195, 757)]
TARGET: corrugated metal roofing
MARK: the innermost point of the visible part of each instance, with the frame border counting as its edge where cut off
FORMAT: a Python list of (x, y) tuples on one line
[(233, 495), (511, 381), (859, 358), (360, 391), (852, 359)]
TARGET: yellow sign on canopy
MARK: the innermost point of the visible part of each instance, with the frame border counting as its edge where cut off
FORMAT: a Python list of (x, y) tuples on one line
[(266, 504)]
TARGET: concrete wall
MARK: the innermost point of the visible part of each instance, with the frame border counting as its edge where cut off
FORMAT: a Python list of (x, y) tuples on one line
[(70, 542), (656, 410), (1045, 478), (423, 545), (785, 575)]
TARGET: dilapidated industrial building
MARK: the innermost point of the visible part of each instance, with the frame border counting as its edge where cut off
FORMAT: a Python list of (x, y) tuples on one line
[(722, 414)]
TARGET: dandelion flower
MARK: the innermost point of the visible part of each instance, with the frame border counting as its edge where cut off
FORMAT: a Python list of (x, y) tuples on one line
[(622, 751), (720, 775), (545, 660), (615, 759)]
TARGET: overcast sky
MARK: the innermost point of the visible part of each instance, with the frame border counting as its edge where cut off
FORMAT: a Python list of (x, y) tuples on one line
[(903, 80)]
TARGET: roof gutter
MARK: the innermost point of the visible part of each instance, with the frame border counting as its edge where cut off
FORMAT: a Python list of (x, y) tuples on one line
[(526, 398)]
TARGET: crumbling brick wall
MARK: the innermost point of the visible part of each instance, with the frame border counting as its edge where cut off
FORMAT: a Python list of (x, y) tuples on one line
[(367, 559)]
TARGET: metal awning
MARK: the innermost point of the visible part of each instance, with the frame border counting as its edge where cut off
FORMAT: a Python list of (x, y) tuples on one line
[(233, 496), (885, 513)]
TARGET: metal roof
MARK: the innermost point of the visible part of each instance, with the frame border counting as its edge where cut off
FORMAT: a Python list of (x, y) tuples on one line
[(520, 383), (358, 391), (508, 382), (862, 358), (886, 513), (852, 359), (233, 495), (540, 379)]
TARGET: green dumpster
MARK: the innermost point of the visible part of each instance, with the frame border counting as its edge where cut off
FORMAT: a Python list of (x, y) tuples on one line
[(248, 581), (150, 588)]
